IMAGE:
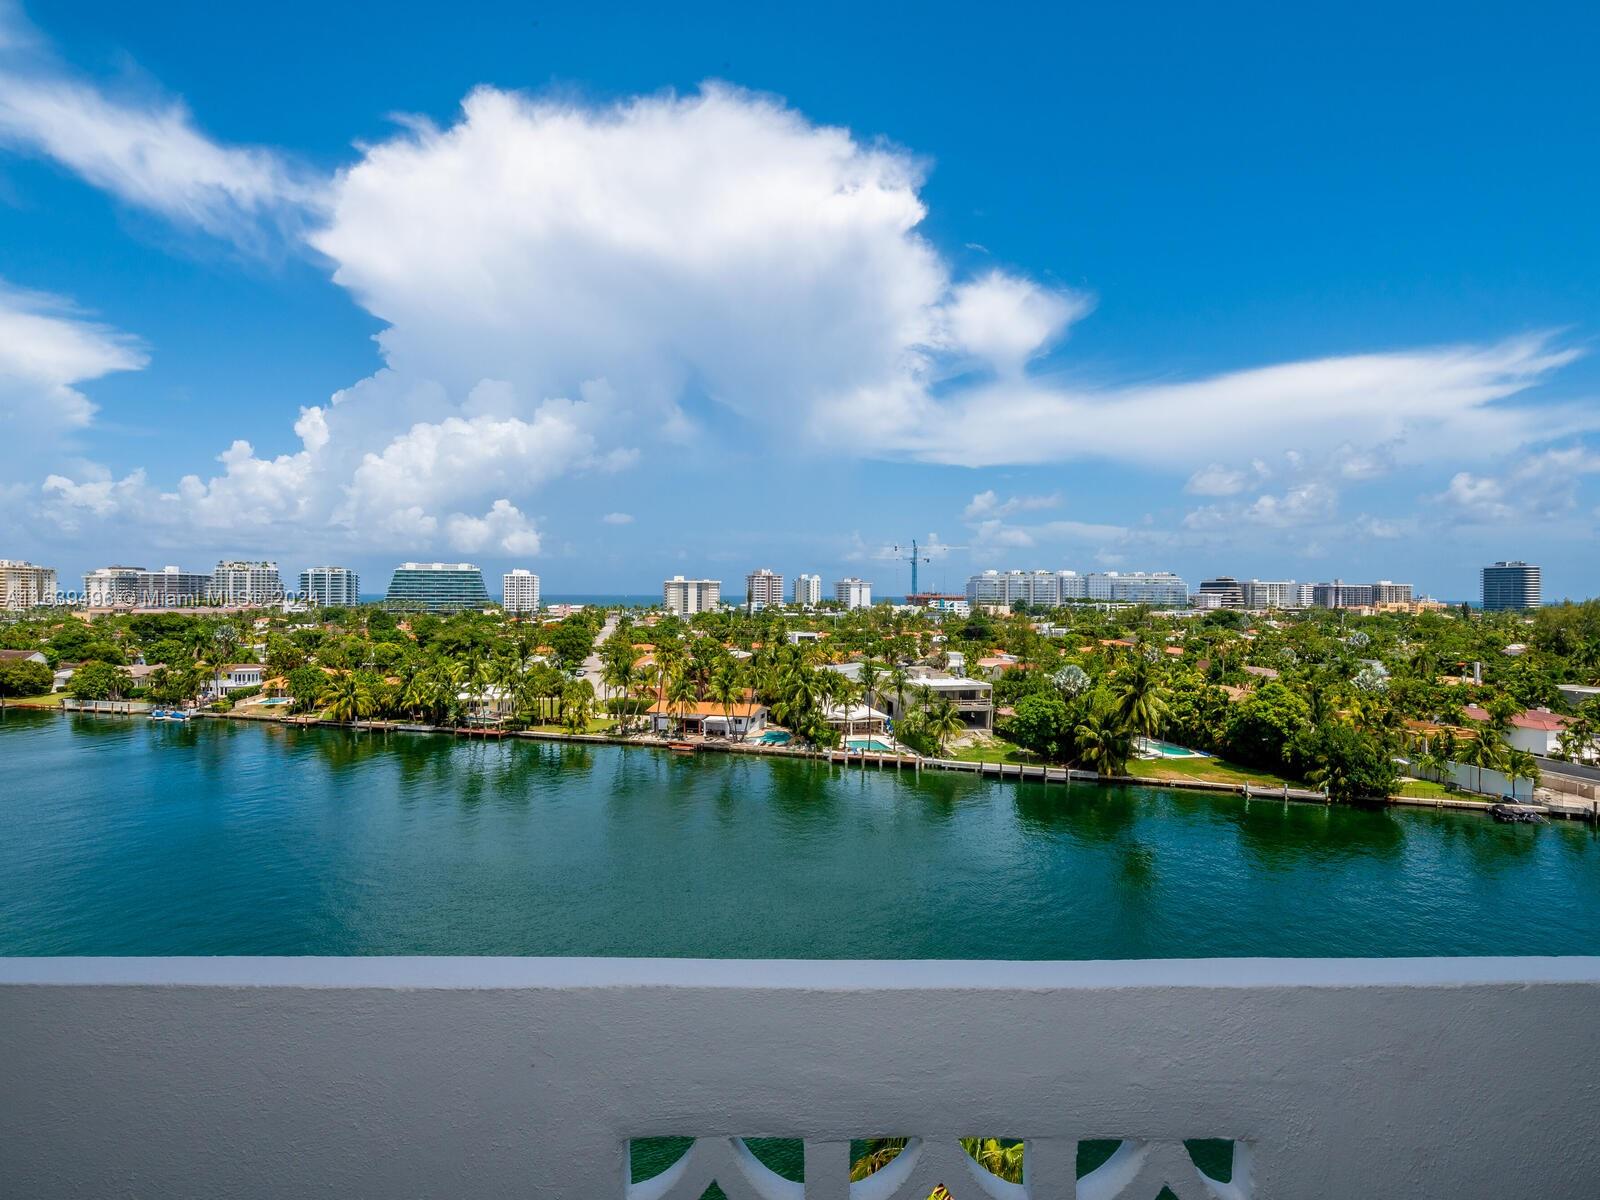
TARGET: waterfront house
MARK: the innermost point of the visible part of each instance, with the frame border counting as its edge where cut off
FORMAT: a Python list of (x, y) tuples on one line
[(235, 677), (707, 718), (855, 719), (1536, 730), (973, 698)]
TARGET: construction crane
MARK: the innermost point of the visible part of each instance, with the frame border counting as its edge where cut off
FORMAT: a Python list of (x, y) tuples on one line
[(913, 558)]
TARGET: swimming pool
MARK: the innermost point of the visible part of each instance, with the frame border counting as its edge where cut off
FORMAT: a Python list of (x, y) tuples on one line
[(774, 737), (1156, 748), (872, 744)]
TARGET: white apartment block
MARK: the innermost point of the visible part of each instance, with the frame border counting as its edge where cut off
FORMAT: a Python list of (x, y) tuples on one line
[(519, 591), (688, 596), (853, 593), (330, 587), (24, 585), (763, 589), (808, 590), (135, 587), (241, 583), (1048, 589), (1271, 593)]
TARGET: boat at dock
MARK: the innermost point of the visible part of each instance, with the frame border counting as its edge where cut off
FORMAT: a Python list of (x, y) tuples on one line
[(1517, 814)]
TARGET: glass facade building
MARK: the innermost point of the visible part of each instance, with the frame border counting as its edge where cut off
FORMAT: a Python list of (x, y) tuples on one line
[(437, 587), (1511, 586)]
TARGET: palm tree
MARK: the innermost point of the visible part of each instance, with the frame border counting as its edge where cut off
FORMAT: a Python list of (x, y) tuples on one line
[(617, 673), (1520, 764), (1140, 706), (898, 680), (577, 700), (680, 694), (868, 677), (943, 722), (347, 698), (1104, 742), (1482, 753), (727, 691)]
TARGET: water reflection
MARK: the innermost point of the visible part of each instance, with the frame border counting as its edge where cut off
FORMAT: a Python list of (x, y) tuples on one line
[(1282, 836), (222, 837)]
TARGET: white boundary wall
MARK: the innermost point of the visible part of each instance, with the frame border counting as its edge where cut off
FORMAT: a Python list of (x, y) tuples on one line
[(489, 1078)]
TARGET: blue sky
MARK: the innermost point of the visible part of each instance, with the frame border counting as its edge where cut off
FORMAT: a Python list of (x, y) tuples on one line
[(617, 292)]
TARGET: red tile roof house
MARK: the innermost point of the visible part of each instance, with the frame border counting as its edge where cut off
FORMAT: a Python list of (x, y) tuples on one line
[(1537, 730)]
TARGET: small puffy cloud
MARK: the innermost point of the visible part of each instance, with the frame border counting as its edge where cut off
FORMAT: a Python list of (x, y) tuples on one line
[(1218, 480), (618, 518), (1540, 487), (988, 504), (1308, 502), (1007, 320), (503, 528)]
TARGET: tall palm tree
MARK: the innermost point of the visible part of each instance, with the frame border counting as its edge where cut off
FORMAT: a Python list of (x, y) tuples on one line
[(868, 677), (1140, 706), (347, 698), (898, 682), (617, 672), (1483, 753), (1520, 764), (726, 690), (680, 694), (943, 722)]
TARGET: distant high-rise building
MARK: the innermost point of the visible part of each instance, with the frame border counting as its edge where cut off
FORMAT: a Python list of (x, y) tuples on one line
[(808, 590), (135, 587), (1510, 586), (247, 583), (23, 585), (437, 587), (1386, 592), (330, 587), (1222, 592), (853, 593), (519, 591), (1047, 589), (688, 596), (1271, 593), (762, 589)]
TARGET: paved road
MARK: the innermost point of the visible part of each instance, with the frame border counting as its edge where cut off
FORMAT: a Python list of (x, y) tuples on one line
[(1554, 766), (592, 667)]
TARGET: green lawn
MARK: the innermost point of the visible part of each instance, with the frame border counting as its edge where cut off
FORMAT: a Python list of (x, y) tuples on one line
[(1426, 789), (594, 725), (997, 751), (51, 701), (1210, 770)]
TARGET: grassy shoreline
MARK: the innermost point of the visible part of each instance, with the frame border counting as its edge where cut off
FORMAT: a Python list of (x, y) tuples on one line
[(1213, 776)]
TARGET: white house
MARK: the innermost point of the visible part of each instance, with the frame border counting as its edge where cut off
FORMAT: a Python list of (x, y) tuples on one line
[(234, 677), (1538, 730)]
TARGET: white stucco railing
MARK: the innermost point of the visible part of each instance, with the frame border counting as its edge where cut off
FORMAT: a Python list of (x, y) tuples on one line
[(483, 1078)]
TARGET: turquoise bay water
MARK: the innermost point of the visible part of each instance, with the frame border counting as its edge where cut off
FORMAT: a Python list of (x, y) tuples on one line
[(136, 837)]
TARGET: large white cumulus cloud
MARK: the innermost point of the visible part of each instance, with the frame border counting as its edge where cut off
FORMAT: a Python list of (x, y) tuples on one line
[(562, 282)]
